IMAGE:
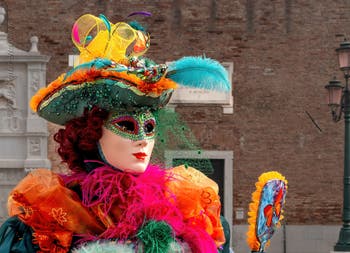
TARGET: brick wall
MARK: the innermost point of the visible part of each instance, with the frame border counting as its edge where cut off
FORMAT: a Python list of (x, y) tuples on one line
[(283, 53)]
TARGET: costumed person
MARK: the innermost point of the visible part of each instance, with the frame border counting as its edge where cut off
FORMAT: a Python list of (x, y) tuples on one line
[(114, 200), (266, 210)]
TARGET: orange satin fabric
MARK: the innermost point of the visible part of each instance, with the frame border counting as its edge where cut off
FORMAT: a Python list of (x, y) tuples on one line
[(197, 198), (53, 211)]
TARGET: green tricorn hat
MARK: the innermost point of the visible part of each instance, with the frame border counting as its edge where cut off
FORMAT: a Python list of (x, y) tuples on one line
[(112, 73), (104, 84)]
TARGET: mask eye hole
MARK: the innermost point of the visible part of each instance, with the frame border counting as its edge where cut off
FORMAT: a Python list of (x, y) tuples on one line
[(149, 127), (126, 124)]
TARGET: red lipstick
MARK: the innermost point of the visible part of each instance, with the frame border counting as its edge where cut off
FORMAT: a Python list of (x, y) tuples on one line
[(140, 156)]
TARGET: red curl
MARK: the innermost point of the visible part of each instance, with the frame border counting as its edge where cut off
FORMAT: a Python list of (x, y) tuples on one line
[(78, 140)]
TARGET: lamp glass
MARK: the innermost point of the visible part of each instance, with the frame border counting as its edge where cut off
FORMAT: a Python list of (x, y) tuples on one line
[(344, 58), (334, 95)]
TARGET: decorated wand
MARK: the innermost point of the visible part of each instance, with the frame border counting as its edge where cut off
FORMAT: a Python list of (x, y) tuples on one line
[(265, 210)]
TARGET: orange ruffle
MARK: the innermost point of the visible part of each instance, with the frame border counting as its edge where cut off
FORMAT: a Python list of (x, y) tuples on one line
[(60, 217), (198, 200), (47, 241)]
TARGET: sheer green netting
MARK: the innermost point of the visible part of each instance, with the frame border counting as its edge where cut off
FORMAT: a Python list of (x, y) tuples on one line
[(173, 134)]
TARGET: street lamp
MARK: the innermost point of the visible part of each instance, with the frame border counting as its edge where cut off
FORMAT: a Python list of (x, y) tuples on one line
[(335, 98), (339, 101)]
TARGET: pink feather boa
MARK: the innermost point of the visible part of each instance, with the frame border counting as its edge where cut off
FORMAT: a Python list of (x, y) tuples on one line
[(140, 198)]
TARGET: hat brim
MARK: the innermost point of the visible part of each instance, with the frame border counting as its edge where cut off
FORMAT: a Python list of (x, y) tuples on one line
[(70, 101)]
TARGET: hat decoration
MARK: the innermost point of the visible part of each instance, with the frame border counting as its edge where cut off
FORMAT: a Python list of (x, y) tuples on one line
[(112, 73)]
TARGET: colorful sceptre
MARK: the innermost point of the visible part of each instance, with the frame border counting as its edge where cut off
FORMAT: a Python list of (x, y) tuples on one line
[(265, 210)]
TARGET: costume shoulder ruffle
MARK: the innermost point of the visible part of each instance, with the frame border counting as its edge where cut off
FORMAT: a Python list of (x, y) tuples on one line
[(197, 198), (53, 211)]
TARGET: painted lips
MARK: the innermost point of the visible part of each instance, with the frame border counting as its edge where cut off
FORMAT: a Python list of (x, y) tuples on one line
[(140, 156)]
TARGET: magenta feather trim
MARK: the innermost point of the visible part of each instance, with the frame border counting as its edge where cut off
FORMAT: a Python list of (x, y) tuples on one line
[(198, 240), (138, 198)]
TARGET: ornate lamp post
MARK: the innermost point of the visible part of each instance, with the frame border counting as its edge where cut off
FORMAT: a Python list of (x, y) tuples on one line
[(339, 101)]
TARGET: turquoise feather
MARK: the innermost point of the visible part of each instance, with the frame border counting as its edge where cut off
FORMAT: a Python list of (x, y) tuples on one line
[(199, 72), (106, 22), (137, 26), (98, 63)]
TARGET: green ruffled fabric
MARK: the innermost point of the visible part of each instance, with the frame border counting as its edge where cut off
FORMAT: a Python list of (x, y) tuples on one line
[(16, 237), (156, 236), (226, 247)]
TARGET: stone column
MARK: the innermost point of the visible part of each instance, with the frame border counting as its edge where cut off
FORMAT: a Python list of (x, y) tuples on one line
[(23, 135)]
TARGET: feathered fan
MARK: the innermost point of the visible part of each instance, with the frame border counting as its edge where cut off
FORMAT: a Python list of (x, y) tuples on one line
[(265, 210)]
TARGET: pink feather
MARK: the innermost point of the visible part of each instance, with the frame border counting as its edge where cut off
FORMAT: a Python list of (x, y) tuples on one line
[(139, 198)]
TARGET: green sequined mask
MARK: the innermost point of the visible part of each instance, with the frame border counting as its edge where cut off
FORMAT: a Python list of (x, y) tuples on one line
[(132, 125)]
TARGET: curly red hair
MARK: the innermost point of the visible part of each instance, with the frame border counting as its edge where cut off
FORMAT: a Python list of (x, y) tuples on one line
[(78, 140)]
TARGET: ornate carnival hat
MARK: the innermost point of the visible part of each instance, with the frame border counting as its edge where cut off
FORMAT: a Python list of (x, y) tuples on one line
[(113, 74)]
